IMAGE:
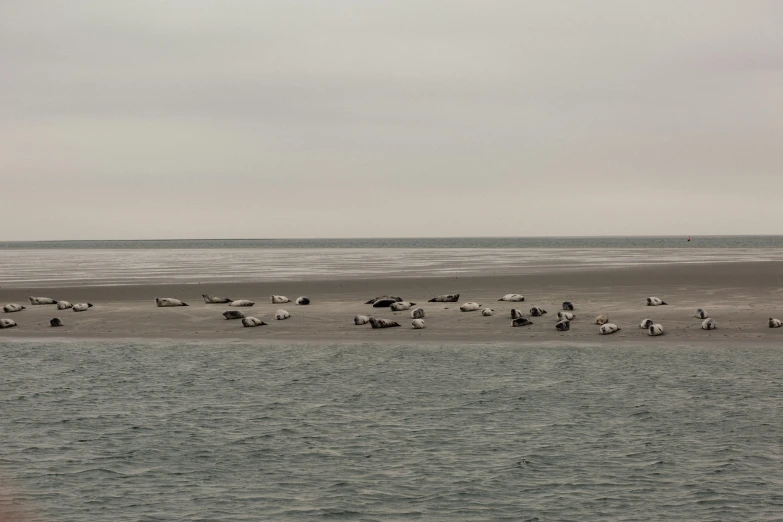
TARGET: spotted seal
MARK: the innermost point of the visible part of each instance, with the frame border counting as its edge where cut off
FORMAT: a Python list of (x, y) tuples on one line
[(81, 307), (211, 299), (234, 314), (382, 323), (168, 301), (417, 324), (445, 298)]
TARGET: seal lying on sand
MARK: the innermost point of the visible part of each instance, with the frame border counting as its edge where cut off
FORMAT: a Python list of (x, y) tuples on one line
[(701, 314), (487, 312), (608, 328), (537, 311), (7, 323), (568, 316), (708, 324), (281, 315), (516, 314), (446, 298), (361, 319), (241, 302), (280, 299), (64, 305), (563, 326), (55, 322), (602, 319), (382, 323), (399, 306), (469, 307), (303, 300), (521, 321), (417, 313), (211, 299), (774, 323), (13, 307), (234, 314), (417, 324), (514, 298), (646, 323), (654, 301), (385, 302), (655, 329), (41, 300), (374, 299), (568, 305), (81, 307), (249, 322), (168, 301)]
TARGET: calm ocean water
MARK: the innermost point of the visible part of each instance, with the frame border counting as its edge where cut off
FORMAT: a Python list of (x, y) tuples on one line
[(408, 243), (178, 431), (37, 264)]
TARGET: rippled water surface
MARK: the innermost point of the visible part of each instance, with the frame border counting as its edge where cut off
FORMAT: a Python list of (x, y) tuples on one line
[(155, 431)]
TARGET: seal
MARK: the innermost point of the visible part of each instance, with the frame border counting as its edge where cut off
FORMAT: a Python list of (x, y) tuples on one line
[(399, 306), (655, 330), (602, 319), (303, 300), (241, 302), (382, 323), (64, 305), (608, 328), (700, 314), (81, 307), (281, 315), (280, 299), (211, 299), (374, 299), (445, 298), (250, 322), (361, 319), (708, 324), (55, 322), (41, 300), (168, 301), (521, 321), (469, 307), (516, 314), (654, 301), (514, 298), (565, 316), (385, 302), (417, 313), (563, 326), (774, 323), (646, 323), (487, 312), (417, 324), (7, 323), (568, 305), (13, 307), (234, 314), (537, 311)]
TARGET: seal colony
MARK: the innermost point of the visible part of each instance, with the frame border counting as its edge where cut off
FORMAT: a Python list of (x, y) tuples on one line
[(396, 304)]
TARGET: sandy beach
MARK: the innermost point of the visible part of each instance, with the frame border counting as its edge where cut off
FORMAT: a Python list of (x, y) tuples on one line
[(739, 296)]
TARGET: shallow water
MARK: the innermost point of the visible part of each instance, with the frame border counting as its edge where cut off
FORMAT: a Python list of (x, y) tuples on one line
[(151, 431), (73, 267)]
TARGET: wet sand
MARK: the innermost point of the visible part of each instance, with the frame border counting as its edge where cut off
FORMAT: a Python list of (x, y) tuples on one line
[(739, 296)]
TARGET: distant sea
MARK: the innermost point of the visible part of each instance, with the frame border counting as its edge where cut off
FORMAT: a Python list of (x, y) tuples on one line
[(431, 242), (72, 263)]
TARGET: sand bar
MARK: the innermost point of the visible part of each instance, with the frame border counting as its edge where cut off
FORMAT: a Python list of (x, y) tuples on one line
[(740, 296)]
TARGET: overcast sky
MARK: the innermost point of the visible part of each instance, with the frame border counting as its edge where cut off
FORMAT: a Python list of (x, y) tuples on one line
[(231, 119)]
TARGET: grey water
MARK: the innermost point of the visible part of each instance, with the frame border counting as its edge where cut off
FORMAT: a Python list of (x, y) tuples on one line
[(75, 263), (611, 242), (197, 431)]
